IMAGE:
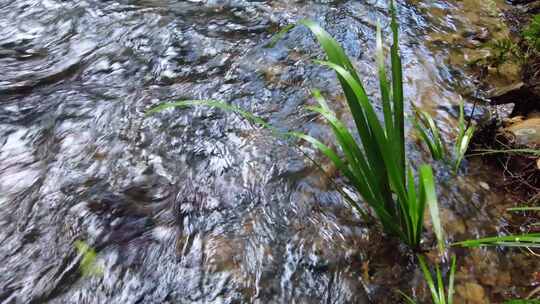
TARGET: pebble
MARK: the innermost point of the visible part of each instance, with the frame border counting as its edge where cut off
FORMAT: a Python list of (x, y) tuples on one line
[(484, 185)]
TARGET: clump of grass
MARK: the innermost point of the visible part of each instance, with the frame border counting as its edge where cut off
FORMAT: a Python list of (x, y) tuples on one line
[(430, 135), (376, 164), (464, 137), (439, 294), (505, 50), (531, 33)]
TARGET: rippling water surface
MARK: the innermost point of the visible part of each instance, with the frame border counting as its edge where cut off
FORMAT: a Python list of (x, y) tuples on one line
[(199, 206)]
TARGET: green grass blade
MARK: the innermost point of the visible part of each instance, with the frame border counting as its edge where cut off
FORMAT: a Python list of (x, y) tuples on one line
[(464, 137), (424, 123), (440, 285), (428, 140), (384, 87), (524, 240), (408, 300), (394, 172), (461, 118), (336, 55), (397, 89), (279, 35), (320, 99), (451, 281), (214, 104), (340, 165), (428, 182), (462, 146), (353, 152), (362, 177), (535, 152), (415, 207), (517, 209), (353, 155), (429, 279)]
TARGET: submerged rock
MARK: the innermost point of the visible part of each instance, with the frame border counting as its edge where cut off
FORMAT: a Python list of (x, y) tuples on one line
[(471, 293)]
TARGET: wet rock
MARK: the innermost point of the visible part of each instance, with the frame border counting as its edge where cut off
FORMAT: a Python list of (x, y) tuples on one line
[(484, 185), (452, 224), (520, 94), (523, 132), (507, 72), (471, 293), (479, 36)]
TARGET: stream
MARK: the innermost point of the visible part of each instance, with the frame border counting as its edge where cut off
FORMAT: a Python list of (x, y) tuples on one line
[(198, 205)]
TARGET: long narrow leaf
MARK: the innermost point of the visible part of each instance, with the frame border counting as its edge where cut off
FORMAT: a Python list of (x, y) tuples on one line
[(337, 56), (451, 281), (524, 240), (408, 299), (424, 123), (394, 172), (440, 285), (463, 144), (211, 103), (397, 89), (427, 180), (517, 209), (429, 279), (384, 87)]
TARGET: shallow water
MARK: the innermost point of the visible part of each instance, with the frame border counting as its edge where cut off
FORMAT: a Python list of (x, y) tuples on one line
[(199, 206)]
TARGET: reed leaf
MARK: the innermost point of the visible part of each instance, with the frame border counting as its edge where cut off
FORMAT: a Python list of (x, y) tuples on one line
[(463, 139), (524, 240), (439, 294), (429, 133)]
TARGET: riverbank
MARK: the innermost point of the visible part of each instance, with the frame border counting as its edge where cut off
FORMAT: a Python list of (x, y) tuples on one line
[(510, 138)]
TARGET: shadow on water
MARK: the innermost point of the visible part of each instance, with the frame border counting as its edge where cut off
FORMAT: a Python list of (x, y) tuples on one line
[(196, 206)]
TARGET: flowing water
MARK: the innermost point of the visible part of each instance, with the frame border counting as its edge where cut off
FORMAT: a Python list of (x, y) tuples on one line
[(197, 205)]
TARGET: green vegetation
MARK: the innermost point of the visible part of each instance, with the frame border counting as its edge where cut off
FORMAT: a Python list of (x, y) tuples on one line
[(522, 302), (429, 133), (505, 50), (517, 209), (464, 137), (523, 240), (531, 33), (372, 156), (531, 240), (88, 255), (436, 286), (480, 152), (376, 164)]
